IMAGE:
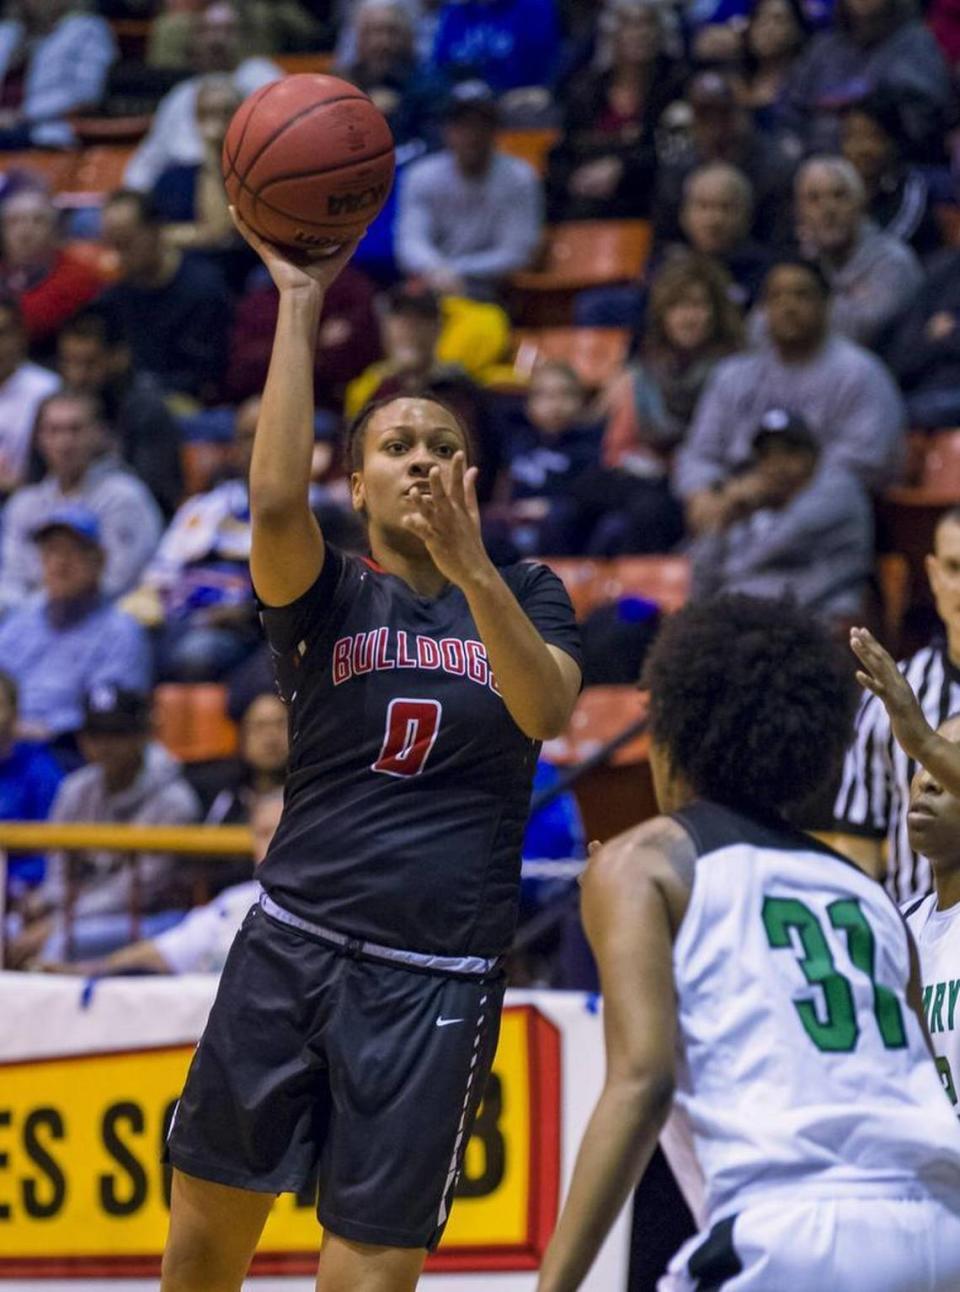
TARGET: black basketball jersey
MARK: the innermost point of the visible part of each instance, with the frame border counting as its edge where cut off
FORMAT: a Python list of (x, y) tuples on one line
[(409, 782)]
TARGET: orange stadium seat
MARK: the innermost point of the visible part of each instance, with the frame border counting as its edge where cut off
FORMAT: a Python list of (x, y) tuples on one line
[(663, 579), (132, 36), (935, 478), (111, 130), (582, 579), (580, 254), (53, 167), (201, 461), (291, 63), (531, 146), (192, 722), (596, 354), (99, 170), (602, 712), (948, 221)]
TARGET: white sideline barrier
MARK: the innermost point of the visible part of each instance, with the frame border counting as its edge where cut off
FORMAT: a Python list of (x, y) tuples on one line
[(88, 1077)]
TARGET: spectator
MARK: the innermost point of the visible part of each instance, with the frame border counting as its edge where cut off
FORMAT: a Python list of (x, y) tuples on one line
[(873, 277), (412, 324), (871, 806), (843, 392), (549, 443), (70, 639), (924, 350), (873, 44), (29, 776), (722, 130), (897, 194), (23, 388), (53, 64), (196, 589), (265, 27), (789, 529), (189, 197), (715, 219), (773, 39), (71, 441), (385, 66), (469, 215), (50, 282), (230, 789), (424, 16), (174, 137), (93, 358), (714, 224), (693, 324), (510, 44), (129, 780), (202, 939), (348, 340), (173, 310), (603, 167)]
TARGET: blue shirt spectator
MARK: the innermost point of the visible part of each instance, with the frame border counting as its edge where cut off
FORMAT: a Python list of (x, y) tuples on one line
[(507, 43), (52, 64), (70, 639), (29, 776)]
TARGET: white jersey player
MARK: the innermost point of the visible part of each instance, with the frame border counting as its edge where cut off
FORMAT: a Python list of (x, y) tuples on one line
[(933, 821), (766, 987)]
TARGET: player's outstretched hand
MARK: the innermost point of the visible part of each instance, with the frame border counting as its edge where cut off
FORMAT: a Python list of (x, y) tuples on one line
[(290, 269), (879, 674), (446, 516)]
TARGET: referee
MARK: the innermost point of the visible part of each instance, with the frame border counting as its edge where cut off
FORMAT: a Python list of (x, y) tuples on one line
[(358, 1011), (871, 807)]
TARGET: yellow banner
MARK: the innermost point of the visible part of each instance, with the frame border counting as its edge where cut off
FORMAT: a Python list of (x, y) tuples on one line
[(82, 1184)]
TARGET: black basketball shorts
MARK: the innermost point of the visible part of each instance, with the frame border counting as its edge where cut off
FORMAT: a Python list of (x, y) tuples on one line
[(320, 1064)]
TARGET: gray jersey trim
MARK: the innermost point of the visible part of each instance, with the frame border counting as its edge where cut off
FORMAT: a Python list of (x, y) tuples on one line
[(464, 966)]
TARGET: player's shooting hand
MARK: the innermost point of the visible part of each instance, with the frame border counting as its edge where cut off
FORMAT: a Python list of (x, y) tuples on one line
[(879, 674), (447, 519), (290, 269)]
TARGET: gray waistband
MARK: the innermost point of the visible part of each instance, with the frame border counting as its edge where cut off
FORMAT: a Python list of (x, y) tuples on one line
[(468, 966)]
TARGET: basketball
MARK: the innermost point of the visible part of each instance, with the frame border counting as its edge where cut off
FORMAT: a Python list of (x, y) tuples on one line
[(308, 162)]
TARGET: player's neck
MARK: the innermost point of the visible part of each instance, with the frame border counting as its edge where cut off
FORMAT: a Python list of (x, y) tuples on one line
[(419, 573), (953, 644), (948, 888)]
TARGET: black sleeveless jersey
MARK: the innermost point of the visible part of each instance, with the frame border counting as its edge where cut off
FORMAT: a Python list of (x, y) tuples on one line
[(409, 782)]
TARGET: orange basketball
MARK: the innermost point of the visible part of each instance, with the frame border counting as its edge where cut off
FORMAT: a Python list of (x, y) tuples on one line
[(308, 161)]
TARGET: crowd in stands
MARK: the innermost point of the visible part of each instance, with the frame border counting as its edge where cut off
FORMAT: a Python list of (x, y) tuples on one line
[(787, 322)]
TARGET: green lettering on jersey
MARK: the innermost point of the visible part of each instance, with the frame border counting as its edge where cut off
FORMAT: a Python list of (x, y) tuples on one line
[(954, 990), (834, 1028), (927, 995), (936, 1015), (946, 1076)]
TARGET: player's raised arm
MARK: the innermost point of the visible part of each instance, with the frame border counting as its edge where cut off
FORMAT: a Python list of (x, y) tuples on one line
[(287, 545), (879, 674)]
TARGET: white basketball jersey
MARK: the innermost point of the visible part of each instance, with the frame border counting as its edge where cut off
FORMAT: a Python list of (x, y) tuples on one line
[(937, 935), (803, 1068)]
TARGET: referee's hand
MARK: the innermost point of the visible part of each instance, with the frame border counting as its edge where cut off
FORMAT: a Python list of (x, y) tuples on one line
[(446, 516), (879, 674)]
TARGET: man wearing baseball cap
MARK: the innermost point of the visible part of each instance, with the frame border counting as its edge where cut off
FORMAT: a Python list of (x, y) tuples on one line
[(70, 639), (128, 779), (790, 529)]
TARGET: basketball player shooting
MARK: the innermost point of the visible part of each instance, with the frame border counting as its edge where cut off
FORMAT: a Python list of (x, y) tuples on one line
[(780, 974), (357, 1015)]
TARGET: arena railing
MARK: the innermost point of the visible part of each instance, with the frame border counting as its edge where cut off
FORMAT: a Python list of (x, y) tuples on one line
[(133, 840)]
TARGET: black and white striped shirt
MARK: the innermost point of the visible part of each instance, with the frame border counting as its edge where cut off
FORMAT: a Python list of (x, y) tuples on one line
[(875, 788)]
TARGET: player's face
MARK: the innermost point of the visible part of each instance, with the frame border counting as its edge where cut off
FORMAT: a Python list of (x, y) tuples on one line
[(933, 815), (943, 571), (404, 440)]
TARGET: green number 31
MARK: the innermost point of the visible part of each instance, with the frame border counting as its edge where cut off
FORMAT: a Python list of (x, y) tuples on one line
[(835, 1027)]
